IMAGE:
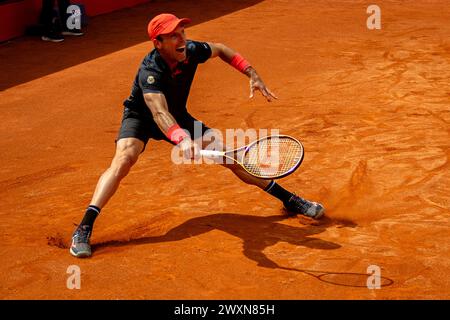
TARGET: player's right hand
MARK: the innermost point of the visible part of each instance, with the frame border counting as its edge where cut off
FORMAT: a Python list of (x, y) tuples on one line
[(190, 149)]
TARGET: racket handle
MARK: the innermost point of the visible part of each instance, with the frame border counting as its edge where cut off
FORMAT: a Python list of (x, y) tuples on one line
[(211, 153)]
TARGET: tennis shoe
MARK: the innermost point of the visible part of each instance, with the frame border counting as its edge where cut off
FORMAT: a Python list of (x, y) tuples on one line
[(81, 247), (72, 32), (297, 205), (53, 37)]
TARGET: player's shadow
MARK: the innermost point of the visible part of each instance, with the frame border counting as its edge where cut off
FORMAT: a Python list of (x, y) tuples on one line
[(257, 233)]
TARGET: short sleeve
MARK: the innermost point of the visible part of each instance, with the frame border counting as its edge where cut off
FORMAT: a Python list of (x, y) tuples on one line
[(150, 81), (199, 51)]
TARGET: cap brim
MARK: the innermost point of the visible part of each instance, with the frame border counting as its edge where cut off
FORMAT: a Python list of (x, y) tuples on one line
[(173, 25)]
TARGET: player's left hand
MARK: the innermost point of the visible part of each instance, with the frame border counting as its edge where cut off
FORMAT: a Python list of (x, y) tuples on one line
[(256, 83)]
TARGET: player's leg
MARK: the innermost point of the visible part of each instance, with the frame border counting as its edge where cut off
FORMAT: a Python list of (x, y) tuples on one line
[(133, 135), (293, 203), (127, 153)]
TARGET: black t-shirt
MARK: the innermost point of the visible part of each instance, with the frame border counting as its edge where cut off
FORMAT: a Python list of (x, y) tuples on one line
[(154, 75)]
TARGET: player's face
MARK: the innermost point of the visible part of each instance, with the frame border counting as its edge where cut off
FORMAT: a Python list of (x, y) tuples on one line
[(173, 45)]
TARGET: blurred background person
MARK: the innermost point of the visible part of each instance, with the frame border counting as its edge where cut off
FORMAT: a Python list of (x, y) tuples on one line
[(55, 21)]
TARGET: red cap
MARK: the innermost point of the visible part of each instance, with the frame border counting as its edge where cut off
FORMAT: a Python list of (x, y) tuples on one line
[(163, 24)]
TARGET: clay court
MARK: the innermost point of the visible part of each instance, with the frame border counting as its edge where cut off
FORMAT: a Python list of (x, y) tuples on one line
[(371, 107)]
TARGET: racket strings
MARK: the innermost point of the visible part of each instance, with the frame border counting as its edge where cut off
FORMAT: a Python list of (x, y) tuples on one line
[(272, 157)]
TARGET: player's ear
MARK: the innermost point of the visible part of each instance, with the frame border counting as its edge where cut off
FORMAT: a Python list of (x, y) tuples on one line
[(157, 43)]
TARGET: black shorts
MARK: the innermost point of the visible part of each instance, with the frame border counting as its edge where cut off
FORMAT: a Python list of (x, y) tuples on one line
[(140, 125)]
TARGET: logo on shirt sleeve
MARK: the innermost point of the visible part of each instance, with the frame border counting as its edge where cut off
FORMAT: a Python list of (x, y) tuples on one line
[(151, 80)]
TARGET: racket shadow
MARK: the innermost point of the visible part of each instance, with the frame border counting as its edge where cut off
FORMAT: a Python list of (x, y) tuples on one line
[(345, 279)]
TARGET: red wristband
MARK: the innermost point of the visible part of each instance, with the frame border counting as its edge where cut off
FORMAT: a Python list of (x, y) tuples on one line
[(239, 62), (176, 134)]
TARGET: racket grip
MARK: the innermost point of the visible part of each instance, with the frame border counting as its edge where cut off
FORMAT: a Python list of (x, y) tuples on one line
[(211, 153)]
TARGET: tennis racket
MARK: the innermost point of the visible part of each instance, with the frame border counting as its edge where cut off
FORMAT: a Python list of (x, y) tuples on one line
[(271, 157)]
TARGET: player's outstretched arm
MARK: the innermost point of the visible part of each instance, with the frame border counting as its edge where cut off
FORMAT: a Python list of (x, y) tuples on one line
[(238, 62)]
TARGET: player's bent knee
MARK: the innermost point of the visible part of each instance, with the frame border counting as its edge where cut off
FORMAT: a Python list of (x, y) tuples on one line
[(122, 164)]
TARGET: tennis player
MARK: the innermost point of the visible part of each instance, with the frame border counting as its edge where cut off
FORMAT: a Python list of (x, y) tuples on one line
[(156, 108)]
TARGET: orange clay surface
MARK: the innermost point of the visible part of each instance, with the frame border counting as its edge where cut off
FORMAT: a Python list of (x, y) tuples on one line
[(372, 108)]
